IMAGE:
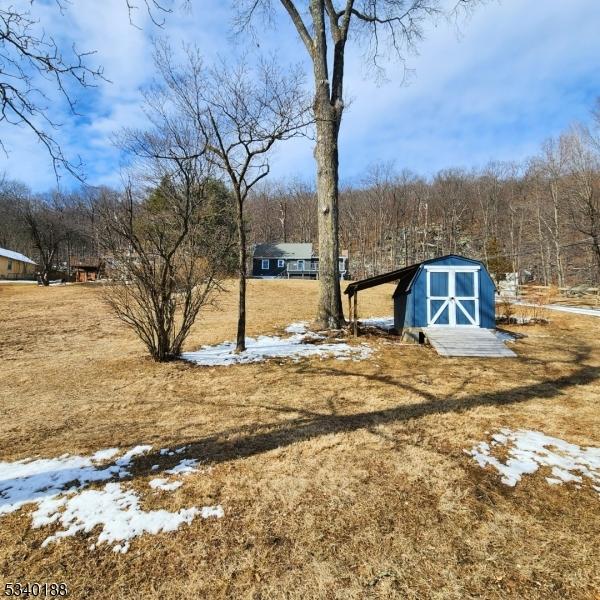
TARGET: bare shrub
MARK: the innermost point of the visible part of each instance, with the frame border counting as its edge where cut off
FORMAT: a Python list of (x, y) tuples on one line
[(507, 309), (537, 300), (169, 249), (170, 235)]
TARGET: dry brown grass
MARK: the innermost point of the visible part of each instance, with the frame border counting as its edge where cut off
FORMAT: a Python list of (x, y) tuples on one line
[(338, 479)]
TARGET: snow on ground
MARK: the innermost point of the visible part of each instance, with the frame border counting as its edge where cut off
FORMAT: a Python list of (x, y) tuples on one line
[(27, 481), (299, 327), (529, 450), (385, 323), (185, 467), (578, 310), (58, 487), (115, 510), (505, 336), (163, 484), (298, 345)]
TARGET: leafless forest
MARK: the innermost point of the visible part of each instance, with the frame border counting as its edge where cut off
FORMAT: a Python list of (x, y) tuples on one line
[(540, 217)]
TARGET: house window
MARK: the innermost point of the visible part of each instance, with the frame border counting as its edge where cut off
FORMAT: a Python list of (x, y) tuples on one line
[(9, 265), (300, 265), (264, 265), (280, 262)]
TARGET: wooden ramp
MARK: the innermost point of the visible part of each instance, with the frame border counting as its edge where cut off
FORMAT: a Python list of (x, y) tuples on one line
[(466, 341)]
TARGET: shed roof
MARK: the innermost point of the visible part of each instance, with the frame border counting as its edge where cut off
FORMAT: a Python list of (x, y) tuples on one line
[(293, 251), (15, 256), (403, 276)]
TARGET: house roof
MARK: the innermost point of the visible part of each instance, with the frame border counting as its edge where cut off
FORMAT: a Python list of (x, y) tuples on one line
[(293, 251), (404, 276), (15, 256)]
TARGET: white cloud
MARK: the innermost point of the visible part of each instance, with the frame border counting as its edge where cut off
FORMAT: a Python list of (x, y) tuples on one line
[(509, 82), (521, 71)]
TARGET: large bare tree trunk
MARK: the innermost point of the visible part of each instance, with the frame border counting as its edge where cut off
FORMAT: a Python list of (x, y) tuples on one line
[(556, 236), (328, 109), (241, 325), (329, 311)]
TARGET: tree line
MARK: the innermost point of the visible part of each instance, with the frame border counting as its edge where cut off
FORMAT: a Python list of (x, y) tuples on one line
[(190, 216), (539, 217)]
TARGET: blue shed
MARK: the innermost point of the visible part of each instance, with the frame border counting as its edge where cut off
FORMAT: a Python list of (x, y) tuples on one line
[(449, 291)]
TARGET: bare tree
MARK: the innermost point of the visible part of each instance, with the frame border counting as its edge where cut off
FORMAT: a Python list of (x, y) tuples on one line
[(31, 59), (48, 229), (324, 28), (241, 113), (13, 233), (584, 188), (170, 236)]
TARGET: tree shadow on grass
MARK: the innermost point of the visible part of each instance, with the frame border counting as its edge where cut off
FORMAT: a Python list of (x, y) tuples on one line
[(255, 439), (309, 424)]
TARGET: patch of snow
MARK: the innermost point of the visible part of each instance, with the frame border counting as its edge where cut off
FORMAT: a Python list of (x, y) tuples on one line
[(164, 484), (212, 511), (299, 327), (265, 347), (529, 450), (385, 323), (105, 454), (135, 451), (27, 481), (504, 336), (186, 466), (116, 511), (57, 485)]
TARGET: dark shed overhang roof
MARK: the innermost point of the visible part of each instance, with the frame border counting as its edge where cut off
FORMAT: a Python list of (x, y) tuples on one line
[(404, 276), (407, 273)]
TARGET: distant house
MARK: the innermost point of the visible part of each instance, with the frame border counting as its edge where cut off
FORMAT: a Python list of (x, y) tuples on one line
[(14, 265), (86, 270), (291, 261)]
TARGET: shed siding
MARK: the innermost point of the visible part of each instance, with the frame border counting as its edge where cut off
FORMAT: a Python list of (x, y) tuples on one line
[(487, 300), (412, 311)]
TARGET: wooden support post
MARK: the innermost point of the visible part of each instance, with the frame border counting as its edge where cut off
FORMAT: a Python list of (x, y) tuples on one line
[(349, 310), (355, 315)]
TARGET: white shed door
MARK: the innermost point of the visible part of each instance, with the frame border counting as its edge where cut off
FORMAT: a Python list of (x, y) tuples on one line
[(452, 296)]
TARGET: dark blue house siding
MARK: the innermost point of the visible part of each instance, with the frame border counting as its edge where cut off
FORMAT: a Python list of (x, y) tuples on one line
[(410, 303), (272, 271)]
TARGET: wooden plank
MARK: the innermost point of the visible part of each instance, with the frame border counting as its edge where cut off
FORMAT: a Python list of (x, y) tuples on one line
[(457, 341)]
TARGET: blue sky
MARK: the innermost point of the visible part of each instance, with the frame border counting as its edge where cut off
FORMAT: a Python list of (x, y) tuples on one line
[(518, 72)]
